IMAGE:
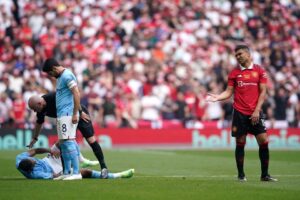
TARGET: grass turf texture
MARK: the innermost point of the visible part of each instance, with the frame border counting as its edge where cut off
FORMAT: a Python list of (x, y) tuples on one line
[(164, 174)]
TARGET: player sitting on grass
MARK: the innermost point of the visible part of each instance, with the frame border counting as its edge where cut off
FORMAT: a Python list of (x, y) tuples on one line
[(50, 167)]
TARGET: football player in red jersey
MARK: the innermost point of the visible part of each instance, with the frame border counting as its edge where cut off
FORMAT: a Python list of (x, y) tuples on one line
[(247, 83)]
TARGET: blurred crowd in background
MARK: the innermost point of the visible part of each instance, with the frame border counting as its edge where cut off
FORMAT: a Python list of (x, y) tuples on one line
[(140, 61)]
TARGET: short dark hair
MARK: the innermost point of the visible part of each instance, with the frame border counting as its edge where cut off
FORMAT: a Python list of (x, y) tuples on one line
[(26, 165), (49, 64), (241, 46)]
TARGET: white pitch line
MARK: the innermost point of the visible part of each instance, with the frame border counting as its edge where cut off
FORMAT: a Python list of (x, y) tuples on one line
[(150, 152), (176, 176), (11, 177), (216, 176)]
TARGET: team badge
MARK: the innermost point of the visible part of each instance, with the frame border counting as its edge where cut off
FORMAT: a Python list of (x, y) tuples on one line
[(246, 76), (254, 74)]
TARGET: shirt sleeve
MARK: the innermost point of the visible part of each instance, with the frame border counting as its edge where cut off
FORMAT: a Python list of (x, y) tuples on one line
[(42, 175), (70, 80), (263, 76), (40, 118), (231, 79)]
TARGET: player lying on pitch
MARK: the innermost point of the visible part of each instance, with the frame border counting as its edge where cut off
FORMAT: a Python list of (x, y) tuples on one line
[(46, 106), (50, 167)]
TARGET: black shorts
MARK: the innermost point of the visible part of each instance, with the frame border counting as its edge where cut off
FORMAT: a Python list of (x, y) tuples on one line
[(86, 128), (241, 125)]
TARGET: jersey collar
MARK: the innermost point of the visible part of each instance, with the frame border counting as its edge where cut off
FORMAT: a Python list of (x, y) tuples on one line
[(250, 67), (61, 73)]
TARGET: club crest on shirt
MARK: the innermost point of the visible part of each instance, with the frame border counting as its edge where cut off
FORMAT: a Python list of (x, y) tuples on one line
[(254, 74), (246, 76)]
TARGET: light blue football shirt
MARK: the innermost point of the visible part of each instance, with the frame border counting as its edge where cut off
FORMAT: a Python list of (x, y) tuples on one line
[(64, 96), (41, 169)]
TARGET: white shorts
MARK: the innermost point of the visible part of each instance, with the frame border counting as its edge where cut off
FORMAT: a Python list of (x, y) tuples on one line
[(65, 128), (55, 163)]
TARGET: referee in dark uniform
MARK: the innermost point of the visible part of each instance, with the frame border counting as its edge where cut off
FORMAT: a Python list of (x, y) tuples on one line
[(46, 106), (248, 84)]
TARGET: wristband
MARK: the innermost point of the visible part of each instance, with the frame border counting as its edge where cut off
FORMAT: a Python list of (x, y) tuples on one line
[(35, 138)]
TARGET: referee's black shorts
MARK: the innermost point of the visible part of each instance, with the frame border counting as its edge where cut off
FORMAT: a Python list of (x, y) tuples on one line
[(241, 125), (86, 128)]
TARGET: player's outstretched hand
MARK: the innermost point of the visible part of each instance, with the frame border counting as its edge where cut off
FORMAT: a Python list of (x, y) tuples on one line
[(85, 117), (211, 97), (33, 141)]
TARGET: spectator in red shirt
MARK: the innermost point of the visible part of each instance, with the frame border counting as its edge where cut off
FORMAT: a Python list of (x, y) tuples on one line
[(25, 34), (248, 84), (19, 108), (184, 40)]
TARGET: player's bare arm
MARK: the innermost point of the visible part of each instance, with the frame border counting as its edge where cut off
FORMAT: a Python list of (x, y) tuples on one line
[(37, 130), (33, 152), (255, 115), (220, 97), (76, 98)]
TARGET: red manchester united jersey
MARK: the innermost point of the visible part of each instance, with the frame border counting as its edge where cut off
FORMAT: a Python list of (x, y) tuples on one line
[(245, 82)]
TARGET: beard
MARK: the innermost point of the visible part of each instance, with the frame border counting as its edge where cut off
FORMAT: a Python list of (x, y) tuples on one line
[(242, 62)]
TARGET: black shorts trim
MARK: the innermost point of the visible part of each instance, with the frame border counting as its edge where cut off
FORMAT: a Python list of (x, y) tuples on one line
[(241, 125)]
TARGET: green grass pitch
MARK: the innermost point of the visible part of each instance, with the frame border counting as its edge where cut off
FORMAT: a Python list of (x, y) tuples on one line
[(164, 174)]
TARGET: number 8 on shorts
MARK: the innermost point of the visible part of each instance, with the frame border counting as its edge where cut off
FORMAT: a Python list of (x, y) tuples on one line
[(65, 128)]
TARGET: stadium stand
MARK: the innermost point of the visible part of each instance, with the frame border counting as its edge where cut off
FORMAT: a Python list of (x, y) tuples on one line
[(144, 63)]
